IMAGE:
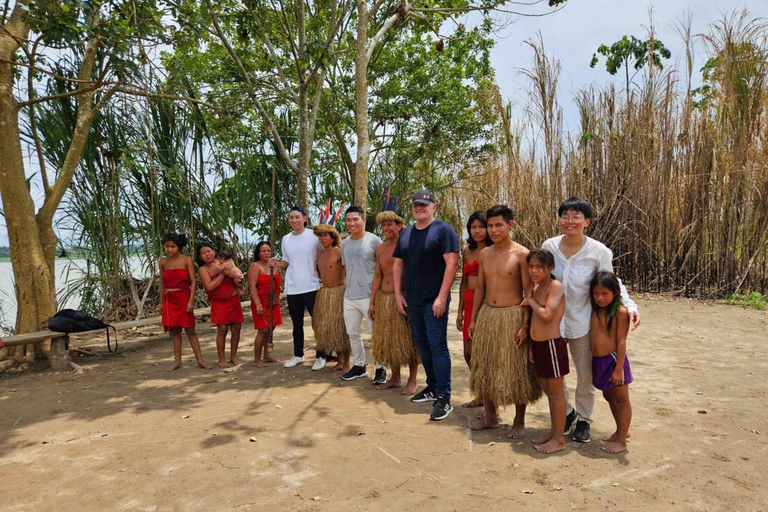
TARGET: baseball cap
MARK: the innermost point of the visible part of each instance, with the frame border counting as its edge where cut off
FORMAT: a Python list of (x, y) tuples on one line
[(423, 196)]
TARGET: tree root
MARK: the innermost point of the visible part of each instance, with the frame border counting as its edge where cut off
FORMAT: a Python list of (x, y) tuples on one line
[(78, 369), (83, 351)]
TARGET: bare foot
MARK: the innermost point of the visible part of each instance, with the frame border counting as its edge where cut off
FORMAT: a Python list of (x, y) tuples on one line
[(204, 365), (391, 383), (175, 366), (223, 364), (235, 361), (615, 447), (344, 370), (611, 438), (410, 389), (475, 402), (335, 368), (516, 432), (482, 424), (271, 359), (543, 439), (550, 446), (259, 364)]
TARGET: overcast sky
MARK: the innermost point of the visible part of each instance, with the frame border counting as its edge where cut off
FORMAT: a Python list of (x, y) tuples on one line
[(574, 33)]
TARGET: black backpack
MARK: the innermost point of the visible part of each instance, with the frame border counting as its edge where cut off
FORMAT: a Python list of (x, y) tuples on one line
[(72, 320)]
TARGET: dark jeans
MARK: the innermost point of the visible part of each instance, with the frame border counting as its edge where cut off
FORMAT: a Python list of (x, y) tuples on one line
[(296, 306), (430, 334)]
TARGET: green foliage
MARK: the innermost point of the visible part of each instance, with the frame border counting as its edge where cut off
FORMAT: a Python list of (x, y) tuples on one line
[(428, 109), (703, 95), (630, 48), (123, 28), (260, 64), (732, 73), (753, 300)]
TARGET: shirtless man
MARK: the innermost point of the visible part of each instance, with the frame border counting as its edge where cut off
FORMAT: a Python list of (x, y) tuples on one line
[(500, 371), (328, 320), (392, 339)]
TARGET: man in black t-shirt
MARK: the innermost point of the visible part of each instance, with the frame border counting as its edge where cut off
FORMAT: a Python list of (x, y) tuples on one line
[(426, 260)]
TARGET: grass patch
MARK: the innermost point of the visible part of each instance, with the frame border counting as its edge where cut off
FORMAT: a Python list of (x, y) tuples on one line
[(753, 300)]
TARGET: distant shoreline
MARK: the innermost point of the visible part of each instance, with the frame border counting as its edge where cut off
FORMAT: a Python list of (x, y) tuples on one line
[(5, 259)]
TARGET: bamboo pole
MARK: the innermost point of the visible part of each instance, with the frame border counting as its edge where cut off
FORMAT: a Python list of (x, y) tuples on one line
[(271, 267)]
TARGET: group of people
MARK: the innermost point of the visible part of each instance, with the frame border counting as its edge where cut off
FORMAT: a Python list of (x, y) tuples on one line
[(519, 310)]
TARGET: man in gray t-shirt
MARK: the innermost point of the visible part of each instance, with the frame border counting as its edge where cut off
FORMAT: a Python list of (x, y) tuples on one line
[(358, 255), (356, 258)]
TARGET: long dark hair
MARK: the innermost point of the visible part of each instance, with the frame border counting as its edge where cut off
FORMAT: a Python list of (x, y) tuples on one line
[(478, 215), (611, 282), (257, 250), (180, 239), (198, 248)]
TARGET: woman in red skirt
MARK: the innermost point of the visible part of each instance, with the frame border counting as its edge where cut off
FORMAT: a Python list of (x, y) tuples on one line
[(226, 311), (478, 240), (262, 305), (177, 290)]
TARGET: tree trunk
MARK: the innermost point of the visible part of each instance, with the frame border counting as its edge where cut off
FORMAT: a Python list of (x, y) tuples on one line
[(360, 180), (305, 149), (32, 246), (31, 235), (307, 124)]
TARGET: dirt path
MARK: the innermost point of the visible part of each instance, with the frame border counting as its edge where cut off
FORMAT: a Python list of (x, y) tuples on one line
[(126, 435)]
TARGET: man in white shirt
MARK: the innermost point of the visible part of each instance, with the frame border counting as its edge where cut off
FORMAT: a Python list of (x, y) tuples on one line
[(299, 250), (577, 259), (358, 255)]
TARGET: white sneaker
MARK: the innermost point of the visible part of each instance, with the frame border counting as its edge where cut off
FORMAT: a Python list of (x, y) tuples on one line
[(294, 361), (319, 364)]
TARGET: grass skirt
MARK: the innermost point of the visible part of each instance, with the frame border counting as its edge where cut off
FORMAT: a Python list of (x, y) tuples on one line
[(392, 340), (500, 372), (328, 319)]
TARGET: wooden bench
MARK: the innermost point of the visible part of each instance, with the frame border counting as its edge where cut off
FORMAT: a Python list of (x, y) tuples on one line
[(59, 355)]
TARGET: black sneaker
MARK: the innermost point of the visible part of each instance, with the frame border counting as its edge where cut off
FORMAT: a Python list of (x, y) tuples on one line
[(356, 372), (570, 423), (425, 395), (441, 409), (582, 432), (381, 376)]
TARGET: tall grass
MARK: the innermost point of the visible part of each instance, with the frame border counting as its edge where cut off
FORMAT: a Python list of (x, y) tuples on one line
[(678, 178)]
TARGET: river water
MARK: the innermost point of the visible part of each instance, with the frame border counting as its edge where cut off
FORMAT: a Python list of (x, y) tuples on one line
[(68, 272)]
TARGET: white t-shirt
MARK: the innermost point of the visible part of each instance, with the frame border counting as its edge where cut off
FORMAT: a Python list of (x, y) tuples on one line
[(359, 260), (300, 251), (576, 273)]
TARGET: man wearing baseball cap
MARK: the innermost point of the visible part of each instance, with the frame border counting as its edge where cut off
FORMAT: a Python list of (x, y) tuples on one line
[(426, 261)]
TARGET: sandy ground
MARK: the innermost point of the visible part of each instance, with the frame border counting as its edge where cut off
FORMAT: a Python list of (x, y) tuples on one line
[(126, 435)]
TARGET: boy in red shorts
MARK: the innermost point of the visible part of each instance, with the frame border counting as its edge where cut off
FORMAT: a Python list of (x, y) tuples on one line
[(548, 350)]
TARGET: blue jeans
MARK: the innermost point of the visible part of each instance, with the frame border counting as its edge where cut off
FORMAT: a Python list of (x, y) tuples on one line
[(430, 334)]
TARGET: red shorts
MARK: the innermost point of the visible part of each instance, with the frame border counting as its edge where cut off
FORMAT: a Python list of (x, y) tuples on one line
[(550, 358)]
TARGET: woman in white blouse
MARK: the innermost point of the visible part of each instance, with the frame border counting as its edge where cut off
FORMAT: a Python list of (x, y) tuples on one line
[(577, 259)]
